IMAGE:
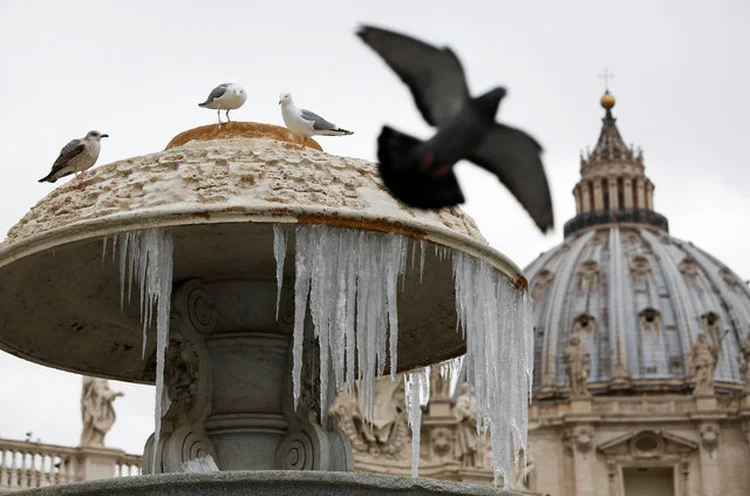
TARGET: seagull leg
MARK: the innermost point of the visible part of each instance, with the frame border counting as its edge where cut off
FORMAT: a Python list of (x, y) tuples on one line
[(228, 119), (304, 143), (218, 112)]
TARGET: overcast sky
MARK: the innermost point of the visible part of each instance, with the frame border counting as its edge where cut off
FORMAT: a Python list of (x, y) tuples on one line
[(136, 70)]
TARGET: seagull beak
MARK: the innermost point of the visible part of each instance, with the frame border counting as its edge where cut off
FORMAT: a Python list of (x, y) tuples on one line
[(281, 101), (105, 136)]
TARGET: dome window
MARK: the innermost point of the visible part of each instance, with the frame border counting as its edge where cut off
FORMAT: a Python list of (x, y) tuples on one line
[(542, 283), (640, 270), (650, 319), (588, 275), (584, 323), (689, 269)]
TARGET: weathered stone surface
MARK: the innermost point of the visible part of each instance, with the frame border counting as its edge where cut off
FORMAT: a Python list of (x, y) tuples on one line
[(270, 483)]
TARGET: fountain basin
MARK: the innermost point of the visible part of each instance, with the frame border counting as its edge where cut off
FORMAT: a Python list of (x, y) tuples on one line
[(270, 483)]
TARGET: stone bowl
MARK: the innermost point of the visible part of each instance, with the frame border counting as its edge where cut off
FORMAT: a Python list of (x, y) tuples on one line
[(219, 192)]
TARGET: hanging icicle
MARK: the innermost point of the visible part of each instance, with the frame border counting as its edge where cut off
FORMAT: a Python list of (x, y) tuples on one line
[(146, 259), (350, 278)]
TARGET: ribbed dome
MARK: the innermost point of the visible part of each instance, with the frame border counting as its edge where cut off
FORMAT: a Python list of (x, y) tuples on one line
[(638, 298)]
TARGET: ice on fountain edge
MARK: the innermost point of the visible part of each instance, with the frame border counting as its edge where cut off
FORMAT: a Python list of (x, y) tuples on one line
[(361, 320), (354, 313)]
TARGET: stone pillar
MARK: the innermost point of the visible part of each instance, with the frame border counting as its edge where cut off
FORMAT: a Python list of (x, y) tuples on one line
[(627, 192), (598, 195), (581, 441), (640, 193), (709, 458), (228, 390), (577, 195), (614, 201), (650, 196), (585, 196), (97, 463)]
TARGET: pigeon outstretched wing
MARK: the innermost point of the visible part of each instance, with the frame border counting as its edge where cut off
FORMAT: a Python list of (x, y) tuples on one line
[(514, 157), (434, 76)]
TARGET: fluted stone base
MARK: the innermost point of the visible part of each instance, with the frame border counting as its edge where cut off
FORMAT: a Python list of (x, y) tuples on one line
[(271, 483), (228, 388)]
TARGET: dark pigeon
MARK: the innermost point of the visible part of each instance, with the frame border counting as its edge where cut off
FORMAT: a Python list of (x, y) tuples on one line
[(420, 173)]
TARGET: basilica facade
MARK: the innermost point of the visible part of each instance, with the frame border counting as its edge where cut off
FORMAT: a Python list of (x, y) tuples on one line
[(642, 361)]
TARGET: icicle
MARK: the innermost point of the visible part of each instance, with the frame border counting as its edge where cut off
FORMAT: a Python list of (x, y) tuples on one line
[(351, 280), (417, 391), (301, 293), (279, 253), (203, 464), (148, 254)]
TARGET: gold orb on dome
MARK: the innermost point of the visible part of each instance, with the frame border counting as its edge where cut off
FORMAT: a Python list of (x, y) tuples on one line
[(608, 101)]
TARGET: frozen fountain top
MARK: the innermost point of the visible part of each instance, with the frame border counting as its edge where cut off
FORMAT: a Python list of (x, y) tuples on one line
[(241, 171), (218, 192)]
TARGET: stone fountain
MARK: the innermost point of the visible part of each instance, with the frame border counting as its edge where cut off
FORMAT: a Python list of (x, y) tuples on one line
[(220, 240)]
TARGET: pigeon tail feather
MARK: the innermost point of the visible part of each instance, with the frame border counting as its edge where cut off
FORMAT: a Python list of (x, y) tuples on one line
[(406, 181)]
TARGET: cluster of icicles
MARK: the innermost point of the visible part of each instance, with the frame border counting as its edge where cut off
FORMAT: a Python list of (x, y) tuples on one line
[(349, 280)]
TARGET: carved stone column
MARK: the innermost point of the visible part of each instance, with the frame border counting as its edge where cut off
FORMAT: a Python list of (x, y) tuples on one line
[(577, 195), (614, 486), (627, 192), (585, 197), (640, 193), (709, 458), (228, 385), (614, 200), (598, 195), (581, 441)]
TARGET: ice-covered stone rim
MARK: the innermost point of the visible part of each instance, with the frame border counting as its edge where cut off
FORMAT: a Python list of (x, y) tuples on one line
[(166, 217)]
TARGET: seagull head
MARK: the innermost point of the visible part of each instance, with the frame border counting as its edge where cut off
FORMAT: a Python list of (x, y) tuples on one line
[(285, 98), (237, 89), (96, 135)]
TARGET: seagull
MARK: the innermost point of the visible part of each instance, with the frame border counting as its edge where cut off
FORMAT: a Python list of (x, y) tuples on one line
[(227, 96), (420, 173), (77, 156), (305, 123)]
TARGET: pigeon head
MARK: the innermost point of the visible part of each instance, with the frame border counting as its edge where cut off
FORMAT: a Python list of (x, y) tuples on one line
[(285, 98), (490, 101), (96, 135)]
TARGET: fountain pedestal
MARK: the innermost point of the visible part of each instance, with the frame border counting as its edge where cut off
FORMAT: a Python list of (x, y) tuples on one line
[(209, 208), (228, 389)]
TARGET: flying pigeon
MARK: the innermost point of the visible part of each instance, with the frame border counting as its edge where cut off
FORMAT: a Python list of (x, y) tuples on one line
[(420, 173), (227, 96), (77, 156), (305, 123)]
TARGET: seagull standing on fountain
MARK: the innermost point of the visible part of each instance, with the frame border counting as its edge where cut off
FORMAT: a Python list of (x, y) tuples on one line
[(227, 96), (420, 173), (77, 156), (305, 123)]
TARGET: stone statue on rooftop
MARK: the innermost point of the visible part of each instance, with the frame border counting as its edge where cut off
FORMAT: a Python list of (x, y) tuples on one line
[(97, 412)]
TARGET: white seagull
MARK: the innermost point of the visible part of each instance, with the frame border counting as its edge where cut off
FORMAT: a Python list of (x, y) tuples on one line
[(227, 96), (305, 123), (77, 156)]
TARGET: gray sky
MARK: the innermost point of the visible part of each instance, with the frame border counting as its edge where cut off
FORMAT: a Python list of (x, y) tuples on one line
[(682, 72)]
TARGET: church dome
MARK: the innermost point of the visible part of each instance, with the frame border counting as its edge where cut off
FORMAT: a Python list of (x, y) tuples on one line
[(636, 297)]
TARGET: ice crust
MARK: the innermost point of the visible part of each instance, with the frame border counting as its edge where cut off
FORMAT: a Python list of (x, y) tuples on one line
[(350, 279), (146, 260)]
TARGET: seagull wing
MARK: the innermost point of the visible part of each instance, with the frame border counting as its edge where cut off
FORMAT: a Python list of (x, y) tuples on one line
[(515, 158), (319, 124), (216, 93), (434, 75), (69, 152)]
